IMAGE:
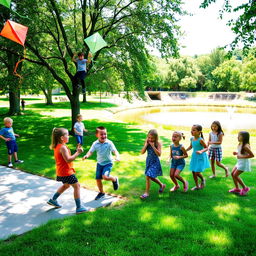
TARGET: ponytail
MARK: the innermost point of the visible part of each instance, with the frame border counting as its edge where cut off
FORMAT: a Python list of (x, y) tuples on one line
[(56, 135)]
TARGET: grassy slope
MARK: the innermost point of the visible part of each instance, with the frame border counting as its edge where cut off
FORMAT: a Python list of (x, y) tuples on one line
[(207, 222)]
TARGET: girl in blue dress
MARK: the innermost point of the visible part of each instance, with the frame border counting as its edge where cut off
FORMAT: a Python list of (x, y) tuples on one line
[(153, 165), (199, 159)]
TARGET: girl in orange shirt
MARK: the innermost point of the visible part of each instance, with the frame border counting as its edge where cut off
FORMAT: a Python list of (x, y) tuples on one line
[(64, 168)]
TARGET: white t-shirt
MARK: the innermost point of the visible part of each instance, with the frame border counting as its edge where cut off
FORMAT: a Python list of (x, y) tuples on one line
[(215, 138), (79, 126)]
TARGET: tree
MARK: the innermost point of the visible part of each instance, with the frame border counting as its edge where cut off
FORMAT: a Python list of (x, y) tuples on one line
[(244, 26), (57, 30)]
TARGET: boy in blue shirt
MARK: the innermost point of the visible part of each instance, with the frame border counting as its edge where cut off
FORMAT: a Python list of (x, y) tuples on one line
[(81, 68), (9, 136), (104, 149)]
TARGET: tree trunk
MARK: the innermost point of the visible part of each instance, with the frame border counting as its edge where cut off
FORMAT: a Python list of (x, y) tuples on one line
[(14, 100), (84, 93), (48, 96), (75, 107)]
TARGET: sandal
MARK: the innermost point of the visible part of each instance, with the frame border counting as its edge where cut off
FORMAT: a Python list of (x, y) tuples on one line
[(161, 190), (144, 196)]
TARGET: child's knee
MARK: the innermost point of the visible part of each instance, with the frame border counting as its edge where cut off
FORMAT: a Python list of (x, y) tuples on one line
[(66, 185), (105, 177)]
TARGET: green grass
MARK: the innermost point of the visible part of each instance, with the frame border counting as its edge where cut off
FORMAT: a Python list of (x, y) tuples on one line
[(207, 222)]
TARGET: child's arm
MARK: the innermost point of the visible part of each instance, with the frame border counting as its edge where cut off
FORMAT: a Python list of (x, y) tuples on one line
[(85, 130), (89, 58), (209, 140), (145, 146), (89, 153), (157, 149), (76, 132), (16, 135), (74, 57), (6, 139), (185, 154), (66, 155), (190, 146), (248, 151), (202, 150), (116, 153)]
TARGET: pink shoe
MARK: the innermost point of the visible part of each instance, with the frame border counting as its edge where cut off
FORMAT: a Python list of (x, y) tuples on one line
[(244, 191), (235, 190), (186, 186), (174, 188)]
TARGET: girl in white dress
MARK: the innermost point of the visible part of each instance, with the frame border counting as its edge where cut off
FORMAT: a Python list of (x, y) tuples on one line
[(243, 154)]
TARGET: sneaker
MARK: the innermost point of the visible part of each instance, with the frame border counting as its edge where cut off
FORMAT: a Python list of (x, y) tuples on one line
[(203, 184), (10, 164), (81, 210), (212, 176), (244, 191), (186, 186), (235, 190), (99, 196), (195, 188), (19, 161), (54, 203), (116, 184), (174, 188)]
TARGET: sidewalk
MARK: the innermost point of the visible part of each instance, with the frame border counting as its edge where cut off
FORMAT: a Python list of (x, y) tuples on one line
[(23, 198)]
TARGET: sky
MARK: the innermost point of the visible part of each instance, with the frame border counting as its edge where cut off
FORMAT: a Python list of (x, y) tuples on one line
[(204, 31)]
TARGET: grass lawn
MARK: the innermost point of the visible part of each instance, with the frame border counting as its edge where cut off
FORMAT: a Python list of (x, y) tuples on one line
[(206, 222)]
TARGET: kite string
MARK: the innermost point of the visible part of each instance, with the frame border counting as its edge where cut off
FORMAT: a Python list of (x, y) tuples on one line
[(16, 67)]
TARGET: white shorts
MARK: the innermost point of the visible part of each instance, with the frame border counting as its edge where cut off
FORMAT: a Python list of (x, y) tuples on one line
[(243, 165)]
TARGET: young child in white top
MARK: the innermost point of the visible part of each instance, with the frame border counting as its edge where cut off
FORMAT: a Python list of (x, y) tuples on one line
[(79, 130)]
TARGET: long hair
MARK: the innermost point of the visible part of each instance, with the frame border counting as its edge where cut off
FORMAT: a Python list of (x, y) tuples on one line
[(219, 127), (56, 135), (245, 139), (153, 132), (200, 129)]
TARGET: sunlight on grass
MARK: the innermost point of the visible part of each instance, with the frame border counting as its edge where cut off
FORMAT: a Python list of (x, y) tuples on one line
[(145, 214), (168, 222), (219, 238), (226, 212)]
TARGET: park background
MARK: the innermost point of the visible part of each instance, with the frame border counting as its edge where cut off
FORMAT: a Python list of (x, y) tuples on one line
[(142, 56)]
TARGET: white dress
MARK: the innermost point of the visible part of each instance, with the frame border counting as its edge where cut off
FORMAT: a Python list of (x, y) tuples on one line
[(243, 164)]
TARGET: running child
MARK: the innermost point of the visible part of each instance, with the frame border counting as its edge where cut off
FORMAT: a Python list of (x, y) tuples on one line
[(177, 155), (242, 154), (214, 148), (153, 165), (104, 149), (64, 168), (9, 136), (199, 159), (79, 130)]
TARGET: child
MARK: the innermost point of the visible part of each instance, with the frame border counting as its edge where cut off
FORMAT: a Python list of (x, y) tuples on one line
[(79, 130), (81, 68), (23, 104), (9, 136), (243, 163), (214, 144), (153, 166), (199, 160), (177, 155), (64, 168), (104, 149)]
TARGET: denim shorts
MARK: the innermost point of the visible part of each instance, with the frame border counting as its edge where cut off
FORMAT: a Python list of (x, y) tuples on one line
[(11, 146), (79, 139), (103, 170), (178, 166)]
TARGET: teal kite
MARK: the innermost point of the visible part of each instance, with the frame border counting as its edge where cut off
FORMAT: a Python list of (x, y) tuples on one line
[(6, 3), (95, 42)]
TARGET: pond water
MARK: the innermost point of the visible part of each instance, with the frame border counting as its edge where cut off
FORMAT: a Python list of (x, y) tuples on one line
[(230, 117)]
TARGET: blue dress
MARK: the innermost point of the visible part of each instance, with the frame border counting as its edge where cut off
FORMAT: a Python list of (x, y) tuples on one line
[(198, 162), (153, 166)]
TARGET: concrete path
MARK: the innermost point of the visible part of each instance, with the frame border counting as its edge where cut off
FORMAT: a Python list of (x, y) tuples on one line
[(23, 198)]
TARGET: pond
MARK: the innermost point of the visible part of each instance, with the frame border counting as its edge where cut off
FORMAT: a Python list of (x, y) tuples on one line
[(231, 118)]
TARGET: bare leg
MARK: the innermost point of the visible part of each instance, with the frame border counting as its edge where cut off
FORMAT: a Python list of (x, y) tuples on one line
[(9, 158), (63, 188), (238, 179), (200, 176), (76, 188), (213, 167), (99, 184), (177, 175), (147, 185), (156, 180), (234, 177), (172, 176), (15, 156), (109, 178), (223, 167), (195, 179)]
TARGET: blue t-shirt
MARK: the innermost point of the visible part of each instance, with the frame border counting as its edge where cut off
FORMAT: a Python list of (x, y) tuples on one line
[(81, 64), (8, 132), (104, 151)]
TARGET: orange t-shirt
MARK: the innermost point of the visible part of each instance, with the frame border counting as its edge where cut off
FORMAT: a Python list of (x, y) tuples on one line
[(62, 167)]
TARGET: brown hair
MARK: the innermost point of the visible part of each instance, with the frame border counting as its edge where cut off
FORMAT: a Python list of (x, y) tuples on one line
[(246, 139), (78, 116), (56, 135), (80, 54), (219, 127), (100, 128), (181, 134), (154, 133), (200, 129)]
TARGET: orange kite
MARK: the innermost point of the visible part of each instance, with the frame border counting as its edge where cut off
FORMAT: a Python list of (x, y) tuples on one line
[(15, 32)]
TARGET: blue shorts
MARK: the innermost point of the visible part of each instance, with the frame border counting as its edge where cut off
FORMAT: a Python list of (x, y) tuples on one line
[(177, 166), (11, 146), (79, 139), (103, 170)]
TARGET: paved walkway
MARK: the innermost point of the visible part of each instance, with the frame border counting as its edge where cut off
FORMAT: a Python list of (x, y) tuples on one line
[(23, 198)]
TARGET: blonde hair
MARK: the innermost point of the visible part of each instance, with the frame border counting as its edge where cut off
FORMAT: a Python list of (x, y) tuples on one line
[(8, 120), (56, 135), (78, 116), (181, 134), (153, 132)]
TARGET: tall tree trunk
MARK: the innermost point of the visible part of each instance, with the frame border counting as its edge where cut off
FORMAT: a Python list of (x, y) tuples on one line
[(75, 106), (14, 99), (84, 93)]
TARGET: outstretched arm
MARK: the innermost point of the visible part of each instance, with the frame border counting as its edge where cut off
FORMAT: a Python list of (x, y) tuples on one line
[(66, 155), (204, 149), (89, 153), (74, 57)]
